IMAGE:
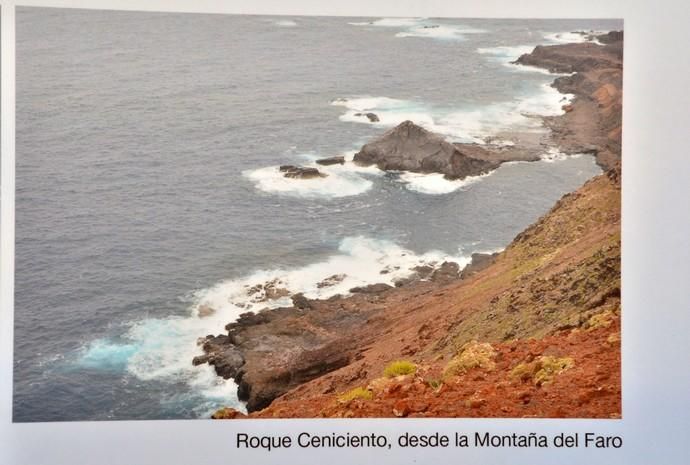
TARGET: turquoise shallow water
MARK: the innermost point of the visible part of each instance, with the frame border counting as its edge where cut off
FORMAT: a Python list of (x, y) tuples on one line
[(146, 154)]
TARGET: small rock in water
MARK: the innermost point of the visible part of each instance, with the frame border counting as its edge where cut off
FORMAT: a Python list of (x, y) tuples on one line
[(331, 161), (331, 281), (273, 291), (300, 172), (205, 310), (423, 270), (372, 117)]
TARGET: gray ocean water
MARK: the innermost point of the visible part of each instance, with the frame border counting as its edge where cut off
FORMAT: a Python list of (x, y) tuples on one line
[(146, 181)]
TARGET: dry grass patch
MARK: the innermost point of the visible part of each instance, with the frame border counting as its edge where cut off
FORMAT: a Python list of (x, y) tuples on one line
[(542, 370), (356, 393), (399, 368), (601, 320), (471, 355)]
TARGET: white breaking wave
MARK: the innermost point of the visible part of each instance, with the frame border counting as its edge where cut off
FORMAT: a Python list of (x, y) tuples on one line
[(523, 115), (341, 181), (554, 154), (439, 32), (506, 55), (576, 37), (345, 180), (435, 183), (359, 262), (505, 52), (162, 349), (286, 23), (423, 28), (389, 111), (390, 22), (271, 180), (471, 125)]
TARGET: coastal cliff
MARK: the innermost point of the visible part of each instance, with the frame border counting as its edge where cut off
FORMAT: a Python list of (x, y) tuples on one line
[(532, 331), (592, 123)]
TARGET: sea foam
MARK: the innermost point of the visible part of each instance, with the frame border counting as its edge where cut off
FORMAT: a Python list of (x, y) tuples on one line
[(341, 180), (162, 349), (423, 28), (554, 154), (471, 125), (576, 37), (506, 55), (390, 22), (444, 32), (389, 111), (285, 23), (436, 183)]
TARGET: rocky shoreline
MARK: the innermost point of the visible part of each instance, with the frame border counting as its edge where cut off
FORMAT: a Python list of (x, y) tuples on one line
[(592, 123), (270, 352), (552, 280)]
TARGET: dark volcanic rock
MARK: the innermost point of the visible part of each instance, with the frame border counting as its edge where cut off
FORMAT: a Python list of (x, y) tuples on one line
[(331, 161), (420, 272), (372, 117), (406, 281), (479, 262), (331, 281), (259, 387), (299, 301), (409, 147), (219, 352), (592, 123), (300, 172), (447, 272), (248, 319), (423, 271), (610, 37), (371, 288), (267, 291), (571, 58), (271, 352)]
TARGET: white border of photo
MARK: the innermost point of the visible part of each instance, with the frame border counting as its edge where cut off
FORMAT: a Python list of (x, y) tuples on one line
[(655, 283)]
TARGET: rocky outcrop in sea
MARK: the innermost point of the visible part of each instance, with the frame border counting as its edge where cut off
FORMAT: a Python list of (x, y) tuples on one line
[(409, 147)]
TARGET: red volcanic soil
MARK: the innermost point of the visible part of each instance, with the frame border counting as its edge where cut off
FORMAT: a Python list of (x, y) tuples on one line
[(590, 389)]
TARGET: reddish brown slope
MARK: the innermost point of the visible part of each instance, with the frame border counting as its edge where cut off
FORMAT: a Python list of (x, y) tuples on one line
[(555, 291)]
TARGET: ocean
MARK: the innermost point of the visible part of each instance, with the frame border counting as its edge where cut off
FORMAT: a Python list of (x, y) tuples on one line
[(147, 181)]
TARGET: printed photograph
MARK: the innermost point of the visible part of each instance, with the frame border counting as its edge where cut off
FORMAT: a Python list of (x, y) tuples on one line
[(238, 216)]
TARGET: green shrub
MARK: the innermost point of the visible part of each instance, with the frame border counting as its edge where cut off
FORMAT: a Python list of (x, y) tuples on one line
[(399, 368)]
